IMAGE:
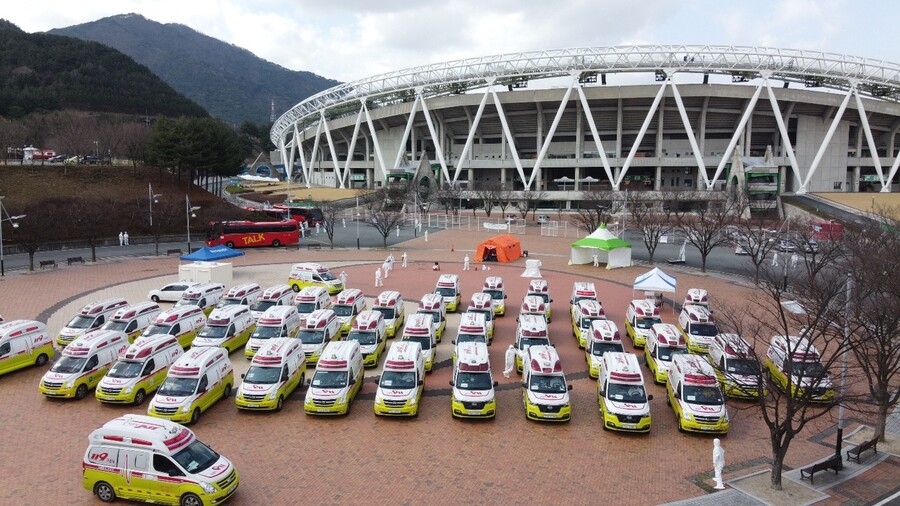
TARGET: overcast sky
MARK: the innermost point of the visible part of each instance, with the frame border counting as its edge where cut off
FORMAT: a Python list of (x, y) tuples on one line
[(352, 39)]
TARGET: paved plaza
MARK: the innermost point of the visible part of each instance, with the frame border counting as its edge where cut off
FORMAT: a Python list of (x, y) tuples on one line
[(289, 457)]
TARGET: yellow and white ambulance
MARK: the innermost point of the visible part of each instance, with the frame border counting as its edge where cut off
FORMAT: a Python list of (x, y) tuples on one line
[(533, 304), (277, 321), (320, 328), (241, 295), (582, 290), (698, 327), (278, 295), (338, 378), (195, 382), (448, 288), (311, 274), (541, 288), (473, 386), (420, 329), (639, 318), (493, 286), (276, 370), (402, 380), (545, 392), (664, 343), (737, 366), (795, 366), (432, 304), (349, 303), (603, 338), (624, 403), (585, 313), (24, 343), (695, 396), (90, 317), (697, 297), (531, 331), (133, 320), (139, 371), (183, 322), (83, 364), (228, 327), (368, 331), (390, 304), (205, 296), (146, 459), (311, 298), (481, 304), (472, 329)]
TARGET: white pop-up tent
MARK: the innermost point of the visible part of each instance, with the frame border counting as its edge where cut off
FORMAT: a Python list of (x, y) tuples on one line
[(610, 250), (654, 283)]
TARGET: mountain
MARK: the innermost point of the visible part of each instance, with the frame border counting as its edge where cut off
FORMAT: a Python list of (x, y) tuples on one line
[(230, 82), (40, 72)]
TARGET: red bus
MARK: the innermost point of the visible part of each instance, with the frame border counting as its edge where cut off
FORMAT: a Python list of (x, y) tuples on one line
[(244, 234)]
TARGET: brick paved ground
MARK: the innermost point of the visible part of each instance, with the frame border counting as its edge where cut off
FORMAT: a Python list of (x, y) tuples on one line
[(288, 457)]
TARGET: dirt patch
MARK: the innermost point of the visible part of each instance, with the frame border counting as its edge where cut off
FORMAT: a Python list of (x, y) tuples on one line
[(792, 493), (891, 443)]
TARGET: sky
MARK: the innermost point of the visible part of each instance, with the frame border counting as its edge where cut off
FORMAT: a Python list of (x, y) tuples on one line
[(354, 39)]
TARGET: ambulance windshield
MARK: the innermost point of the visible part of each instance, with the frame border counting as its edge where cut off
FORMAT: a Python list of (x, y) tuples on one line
[(306, 307), (626, 393), (343, 310), (80, 322), (544, 384), (178, 387), (125, 369), (263, 375), (473, 381), (266, 332), (703, 395), (495, 294), (445, 291), (586, 322), (214, 331), (157, 329), (330, 379), (599, 348), (544, 296), (425, 341), (196, 457), (262, 305), (435, 315), (388, 312), (742, 366), (326, 276), (364, 338), (396, 379), (114, 325), (311, 336), (646, 323), (68, 365), (704, 329), (488, 313), (665, 353), (526, 342), (471, 338)]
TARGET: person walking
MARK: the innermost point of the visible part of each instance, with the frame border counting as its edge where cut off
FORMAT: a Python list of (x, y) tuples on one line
[(510, 361), (398, 230), (426, 236), (318, 226), (121, 239), (403, 260), (378, 281), (466, 263), (343, 276), (386, 269), (344, 222), (125, 238), (596, 260), (718, 463)]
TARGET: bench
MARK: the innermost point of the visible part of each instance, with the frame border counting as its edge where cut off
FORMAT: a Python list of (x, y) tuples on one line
[(48, 263), (834, 462), (75, 260), (173, 251), (853, 453)]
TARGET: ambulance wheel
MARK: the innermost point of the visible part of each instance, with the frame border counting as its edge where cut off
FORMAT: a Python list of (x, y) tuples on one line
[(190, 500), (139, 397), (41, 360), (280, 403), (194, 417), (104, 491), (227, 392), (276, 243), (230, 245), (81, 391), (154, 298)]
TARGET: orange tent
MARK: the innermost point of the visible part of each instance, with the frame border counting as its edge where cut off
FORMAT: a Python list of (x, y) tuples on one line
[(502, 248)]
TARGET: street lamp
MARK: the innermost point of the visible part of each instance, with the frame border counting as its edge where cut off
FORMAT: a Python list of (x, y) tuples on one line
[(153, 198), (188, 214), (15, 224), (357, 222)]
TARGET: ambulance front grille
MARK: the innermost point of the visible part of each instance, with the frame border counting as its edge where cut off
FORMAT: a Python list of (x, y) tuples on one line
[(473, 405), (110, 391), (52, 386), (166, 411), (227, 481), (323, 402), (549, 409), (629, 418), (707, 419), (254, 397), (395, 404)]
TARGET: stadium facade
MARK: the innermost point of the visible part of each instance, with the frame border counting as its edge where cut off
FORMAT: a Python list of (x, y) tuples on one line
[(653, 118)]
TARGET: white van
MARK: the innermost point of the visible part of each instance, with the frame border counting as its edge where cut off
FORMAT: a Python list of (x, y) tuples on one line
[(194, 383), (736, 366), (228, 327), (583, 290), (205, 296), (541, 288), (139, 371), (546, 395), (482, 304), (338, 377), (369, 331), (24, 343), (277, 321), (664, 343), (795, 365), (624, 403), (182, 322), (320, 328), (137, 457), (83, 364), (311, 298), (603, 338), (641, 315), (493, 286), (90, 317), (278, 295), (432, 304), (584, 314), (133, 320), (472, 329), (473, 385), (531, 331), (402, 381), (310, 274), (695, 396), (448, 288), (276, 370), (697, 297), (698, 328), (243, 295), (419, 329), (349, 303), (390, 304)]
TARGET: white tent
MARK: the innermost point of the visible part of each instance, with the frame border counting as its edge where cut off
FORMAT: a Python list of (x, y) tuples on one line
[(655, 282), (610, 250)]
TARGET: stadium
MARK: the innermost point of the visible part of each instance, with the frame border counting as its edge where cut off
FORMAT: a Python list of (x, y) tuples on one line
[(628, 118)]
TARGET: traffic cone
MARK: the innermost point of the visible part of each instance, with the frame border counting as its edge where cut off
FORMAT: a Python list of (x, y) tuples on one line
[(451, 246)]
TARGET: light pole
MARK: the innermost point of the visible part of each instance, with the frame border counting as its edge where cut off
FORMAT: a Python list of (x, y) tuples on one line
[(15, 224), (357, 222), (188, 214), (841, 422), (153, 197)]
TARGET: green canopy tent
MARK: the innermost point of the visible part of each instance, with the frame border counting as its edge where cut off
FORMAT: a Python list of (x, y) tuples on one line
[(610, 250)]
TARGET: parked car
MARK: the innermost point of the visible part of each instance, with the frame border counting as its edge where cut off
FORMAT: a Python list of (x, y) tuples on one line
[(171, 292), (543, 218), (89, 160), (58, 159), (740, 249), (811, 246), (785, 245)]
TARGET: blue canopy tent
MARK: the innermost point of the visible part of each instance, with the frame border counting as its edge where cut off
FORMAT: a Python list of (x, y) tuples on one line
[(212, 254)]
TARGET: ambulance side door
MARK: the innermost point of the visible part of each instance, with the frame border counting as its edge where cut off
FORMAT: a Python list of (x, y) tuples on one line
[(140, 480), (168, 475)]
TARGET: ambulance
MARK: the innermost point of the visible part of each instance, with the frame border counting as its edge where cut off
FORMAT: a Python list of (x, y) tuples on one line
[(698, 328), (241, 295), (473, 385), (419, 329), (541, 288), (624, 403), (278, 295), (146, 459), (586, 312), (310, 274), (639, 318), (368, 331), (228, 327), (83, 364), (432, 305), (320, 328), (311, 298), (582, 290), (348, 305), (182, 322), (695, 396), (90, 317), (472, 329), (664, 343), (276, 370), (493, 286), (338, 378), (196, 381), (545, 392), (481, 304), (277, 321), (205, 296), (531, 331), (697, 297), (389, 304), (736, 366), (795, 366), (602, 338), (448, 288), (24, 343), (402, 380), (139, 371), (133, 320), (533, 304)]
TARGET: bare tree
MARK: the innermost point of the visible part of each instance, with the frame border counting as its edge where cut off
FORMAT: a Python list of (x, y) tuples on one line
[(94, 220), (490, 195), (448, 197), (40, 226), (529, 200), (647, 218), (331, 213), (504, 198), (755, 239), (705, 228), (384, 217), (595, 208)]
